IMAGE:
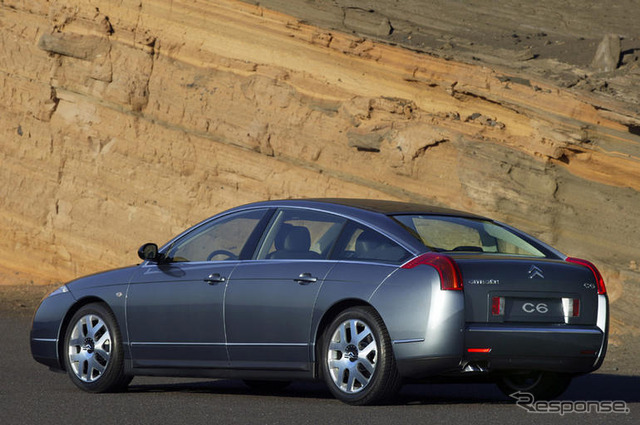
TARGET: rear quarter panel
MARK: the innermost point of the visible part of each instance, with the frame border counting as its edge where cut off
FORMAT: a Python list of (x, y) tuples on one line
[(425, 323), (349, 280)]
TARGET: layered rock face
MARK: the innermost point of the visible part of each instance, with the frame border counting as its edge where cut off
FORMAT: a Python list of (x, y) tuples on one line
[(127, 121)]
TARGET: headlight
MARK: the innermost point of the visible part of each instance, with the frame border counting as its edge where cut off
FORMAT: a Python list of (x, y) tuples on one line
[(60, 290)]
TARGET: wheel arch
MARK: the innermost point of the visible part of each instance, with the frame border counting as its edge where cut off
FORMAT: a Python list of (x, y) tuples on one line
[(328, 316), (67, 318)]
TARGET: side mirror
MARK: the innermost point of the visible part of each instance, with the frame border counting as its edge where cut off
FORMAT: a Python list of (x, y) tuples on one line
[(149, 252)]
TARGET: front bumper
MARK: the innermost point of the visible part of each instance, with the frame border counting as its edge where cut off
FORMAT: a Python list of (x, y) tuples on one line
[(45, 329)]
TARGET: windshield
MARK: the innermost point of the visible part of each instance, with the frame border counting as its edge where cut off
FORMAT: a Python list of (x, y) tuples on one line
[(445, 233)]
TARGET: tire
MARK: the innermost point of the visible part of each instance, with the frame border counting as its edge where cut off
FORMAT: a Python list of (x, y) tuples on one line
[(542, 385), (93, 354), (266, 386), (359, 369)]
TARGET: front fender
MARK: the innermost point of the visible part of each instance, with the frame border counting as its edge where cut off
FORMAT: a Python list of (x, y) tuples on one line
[(46, 327)]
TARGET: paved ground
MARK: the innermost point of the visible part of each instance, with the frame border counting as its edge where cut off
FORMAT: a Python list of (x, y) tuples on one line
[(31, 394)]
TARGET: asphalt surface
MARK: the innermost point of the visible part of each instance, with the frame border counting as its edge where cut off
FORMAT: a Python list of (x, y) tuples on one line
[(31, 394)]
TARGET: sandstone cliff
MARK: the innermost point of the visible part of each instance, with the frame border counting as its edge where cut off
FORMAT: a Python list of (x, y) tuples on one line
[(125, 121)]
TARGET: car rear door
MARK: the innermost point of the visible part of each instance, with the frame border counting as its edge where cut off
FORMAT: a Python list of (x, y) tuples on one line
[(269, 301)]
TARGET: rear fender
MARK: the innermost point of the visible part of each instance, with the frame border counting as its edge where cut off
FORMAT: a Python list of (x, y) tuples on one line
[(425, 323)]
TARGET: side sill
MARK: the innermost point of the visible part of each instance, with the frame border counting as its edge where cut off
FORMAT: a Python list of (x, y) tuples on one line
[(224, 373)]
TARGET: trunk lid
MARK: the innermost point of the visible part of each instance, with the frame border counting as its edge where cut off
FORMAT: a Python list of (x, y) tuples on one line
[(516, 289)]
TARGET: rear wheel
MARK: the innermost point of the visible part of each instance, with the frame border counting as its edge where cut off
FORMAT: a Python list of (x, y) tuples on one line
[(542, 385), (357, 360), (93, 354)]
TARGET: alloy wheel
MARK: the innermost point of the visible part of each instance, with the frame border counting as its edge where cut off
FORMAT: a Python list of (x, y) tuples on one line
[(352, 356), (89, 348)]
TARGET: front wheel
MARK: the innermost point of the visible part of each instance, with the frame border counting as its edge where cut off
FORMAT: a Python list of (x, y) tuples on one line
[(93, 354), (541, 385), (357, 361)]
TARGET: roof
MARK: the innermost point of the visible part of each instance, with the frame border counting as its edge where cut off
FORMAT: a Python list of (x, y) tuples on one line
[(392, 207)]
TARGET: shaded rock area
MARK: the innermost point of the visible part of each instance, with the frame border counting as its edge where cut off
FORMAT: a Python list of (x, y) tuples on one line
[(568, 43), (367, 22), (123, 122)]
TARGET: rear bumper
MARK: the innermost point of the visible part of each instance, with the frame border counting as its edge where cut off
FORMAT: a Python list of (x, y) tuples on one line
[(558, 348)]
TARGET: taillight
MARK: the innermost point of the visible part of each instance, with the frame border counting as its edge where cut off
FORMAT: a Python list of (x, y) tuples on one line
[(478, 350), (450, 278), (497, 306), (596, 274), (571, 307)]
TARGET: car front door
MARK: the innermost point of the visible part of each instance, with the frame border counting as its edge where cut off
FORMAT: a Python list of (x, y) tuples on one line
[(175, 307), (270, 300)]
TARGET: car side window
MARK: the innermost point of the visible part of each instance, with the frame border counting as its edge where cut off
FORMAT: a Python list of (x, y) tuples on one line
[(300, 234), (361, 243), (220, 240)]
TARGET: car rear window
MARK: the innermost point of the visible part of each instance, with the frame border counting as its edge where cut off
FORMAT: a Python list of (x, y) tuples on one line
[(461, 234)]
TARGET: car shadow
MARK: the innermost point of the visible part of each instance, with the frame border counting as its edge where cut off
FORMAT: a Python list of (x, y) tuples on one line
[(597, 386), (592, 387), (231, 387)]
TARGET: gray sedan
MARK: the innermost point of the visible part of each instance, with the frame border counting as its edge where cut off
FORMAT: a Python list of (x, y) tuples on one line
[(362, 294)]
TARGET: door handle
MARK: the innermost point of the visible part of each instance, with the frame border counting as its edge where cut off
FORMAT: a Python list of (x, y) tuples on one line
[(214, 278), (305, 279)]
